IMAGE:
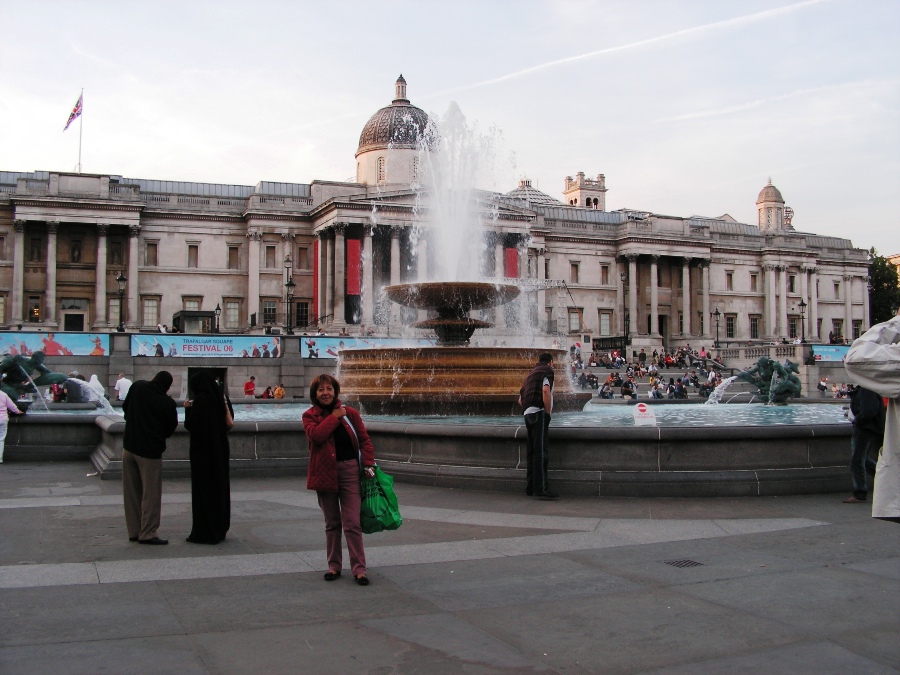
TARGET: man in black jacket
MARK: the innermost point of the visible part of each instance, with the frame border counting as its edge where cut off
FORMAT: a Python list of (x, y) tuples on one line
[(868, 416), (536, 397), (150, 418)]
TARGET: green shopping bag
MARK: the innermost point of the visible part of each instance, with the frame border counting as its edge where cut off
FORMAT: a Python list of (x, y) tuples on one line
[(378, 510)]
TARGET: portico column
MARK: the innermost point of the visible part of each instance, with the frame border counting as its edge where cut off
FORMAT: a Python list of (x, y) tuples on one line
[(782, 301), (52, 231), (422, 265), (620, 299), (804, 296), (395, 269), (632, 294), (322, 277), (499, 273), (865, 321), (771, 328), (705, 267), (686, 295), (539, 273), (255, 237), (368, 296), (329, 280), (848, 308), (18, 287), (814, 304), (654, 295), (100, 283), (134, 233), (340, 275)]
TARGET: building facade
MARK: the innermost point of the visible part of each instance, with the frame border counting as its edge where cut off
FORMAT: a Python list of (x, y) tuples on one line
[(88, 252)]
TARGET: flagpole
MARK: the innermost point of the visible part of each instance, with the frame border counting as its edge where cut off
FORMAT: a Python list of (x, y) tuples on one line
[(80, 127)]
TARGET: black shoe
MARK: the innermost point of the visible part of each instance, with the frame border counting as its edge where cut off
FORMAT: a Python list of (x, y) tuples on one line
[(529, 493), (156, 541), (331, 576), (362, 580), (547, 496), (132, 538)]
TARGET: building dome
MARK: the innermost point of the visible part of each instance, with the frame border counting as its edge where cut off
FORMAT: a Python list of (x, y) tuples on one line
[(532, 195), (399, 125), (770, 193)]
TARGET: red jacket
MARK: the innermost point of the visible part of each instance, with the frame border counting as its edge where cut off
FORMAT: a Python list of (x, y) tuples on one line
[(319, 426)]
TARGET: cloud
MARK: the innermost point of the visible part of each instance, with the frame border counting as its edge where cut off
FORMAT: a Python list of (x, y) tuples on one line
[(695, 31)]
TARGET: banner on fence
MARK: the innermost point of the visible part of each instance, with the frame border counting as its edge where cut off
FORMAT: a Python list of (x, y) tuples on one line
[(54, 344), (191, 346), (322, 347), (830, 353)]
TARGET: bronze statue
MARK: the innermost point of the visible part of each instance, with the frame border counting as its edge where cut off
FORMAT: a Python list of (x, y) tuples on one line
[(17, 372), (786, 383)]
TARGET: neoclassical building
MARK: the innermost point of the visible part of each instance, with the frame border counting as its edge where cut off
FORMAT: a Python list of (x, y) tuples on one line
[(82, 252)]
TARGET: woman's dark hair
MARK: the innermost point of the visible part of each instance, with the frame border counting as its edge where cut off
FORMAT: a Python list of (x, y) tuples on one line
[(318, 382)]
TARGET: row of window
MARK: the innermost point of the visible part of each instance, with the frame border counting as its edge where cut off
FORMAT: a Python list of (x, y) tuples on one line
[(271, 260)]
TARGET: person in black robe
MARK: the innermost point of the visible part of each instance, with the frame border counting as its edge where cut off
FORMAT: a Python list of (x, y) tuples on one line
[(208, 417)]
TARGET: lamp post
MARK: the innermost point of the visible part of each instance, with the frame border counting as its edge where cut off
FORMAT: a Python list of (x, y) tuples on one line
[(717, 314), (288, 276), (121, 280), (218, 314), (289, 286), (802, 321)]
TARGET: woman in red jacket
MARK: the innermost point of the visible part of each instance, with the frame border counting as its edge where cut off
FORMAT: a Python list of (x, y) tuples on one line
[(337, 436)]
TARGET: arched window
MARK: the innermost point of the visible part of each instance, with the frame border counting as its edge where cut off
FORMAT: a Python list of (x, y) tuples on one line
[(381, 172)]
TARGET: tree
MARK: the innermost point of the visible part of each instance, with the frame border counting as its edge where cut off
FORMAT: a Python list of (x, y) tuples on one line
[(884, 288)]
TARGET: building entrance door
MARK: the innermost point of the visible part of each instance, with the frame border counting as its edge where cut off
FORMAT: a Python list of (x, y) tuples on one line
[(73, 321)]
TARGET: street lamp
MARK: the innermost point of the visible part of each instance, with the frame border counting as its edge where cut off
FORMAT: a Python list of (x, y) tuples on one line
[(218, 314), (121, 280), (717, 314), (802, 320), (290, 286)]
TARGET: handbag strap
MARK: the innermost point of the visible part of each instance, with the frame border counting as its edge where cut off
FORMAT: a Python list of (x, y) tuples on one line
[(358, 449)]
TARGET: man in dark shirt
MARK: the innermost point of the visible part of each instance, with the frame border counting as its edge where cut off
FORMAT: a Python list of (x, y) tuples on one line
[(150, 418), (536, 397)]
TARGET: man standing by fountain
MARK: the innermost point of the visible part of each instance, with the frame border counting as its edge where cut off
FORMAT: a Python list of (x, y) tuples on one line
[(150, 418), (536, 397)]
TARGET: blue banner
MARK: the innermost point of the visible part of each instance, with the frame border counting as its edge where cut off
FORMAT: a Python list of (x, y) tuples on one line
[(54, 344), (830, 353), (178, 345), (320, 347)]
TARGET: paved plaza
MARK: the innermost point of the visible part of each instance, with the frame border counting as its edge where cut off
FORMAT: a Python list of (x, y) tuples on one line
[(474, 582)]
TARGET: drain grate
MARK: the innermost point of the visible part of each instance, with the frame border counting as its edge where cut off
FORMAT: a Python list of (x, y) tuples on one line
[(683, 563)]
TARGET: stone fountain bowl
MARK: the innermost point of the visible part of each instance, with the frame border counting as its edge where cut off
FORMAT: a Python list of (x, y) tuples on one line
[(452, 298)]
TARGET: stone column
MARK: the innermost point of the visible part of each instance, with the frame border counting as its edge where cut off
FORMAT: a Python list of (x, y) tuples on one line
[(368, 291), (804, 296), (395, 270), (18, 286), (848, 308), (100, 283), (620, 299), (52, 232), (422, 266), (542, 294), (322, 281), (634, 322), (654, 295), (865, 321), (771, 328), (814, 305), (255, 237), (134, 240), (705, 267), (686, 295), (340, 274), (329, 279), (782, 302)]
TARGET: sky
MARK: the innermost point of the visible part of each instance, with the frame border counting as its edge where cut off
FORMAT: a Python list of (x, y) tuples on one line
[(688, 107)]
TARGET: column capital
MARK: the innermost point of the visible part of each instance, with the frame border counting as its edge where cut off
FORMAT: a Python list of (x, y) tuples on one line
[(102, 229), (368, 230), (288, 236), (395, 231), (19, 225), (814, 270), (686, 261), (704, 262), (340, 228), (770, 267), (632, 257), (254, 235), (655, 258), (848, 277), (134, 231), (52, 226)]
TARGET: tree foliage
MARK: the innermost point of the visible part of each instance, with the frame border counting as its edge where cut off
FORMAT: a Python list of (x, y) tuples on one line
[(884, 288)]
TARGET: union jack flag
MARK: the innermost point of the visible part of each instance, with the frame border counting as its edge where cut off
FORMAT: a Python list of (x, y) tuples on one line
[(76, 111)]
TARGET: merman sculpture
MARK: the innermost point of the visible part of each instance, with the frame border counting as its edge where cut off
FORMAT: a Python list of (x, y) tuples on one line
[(18, 375), (775, 382)]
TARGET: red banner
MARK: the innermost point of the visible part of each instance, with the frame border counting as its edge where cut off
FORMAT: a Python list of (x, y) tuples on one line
[(353, 267), (512, 263)]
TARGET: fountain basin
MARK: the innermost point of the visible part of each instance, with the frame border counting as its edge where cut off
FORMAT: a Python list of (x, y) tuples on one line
[(447, 380)]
